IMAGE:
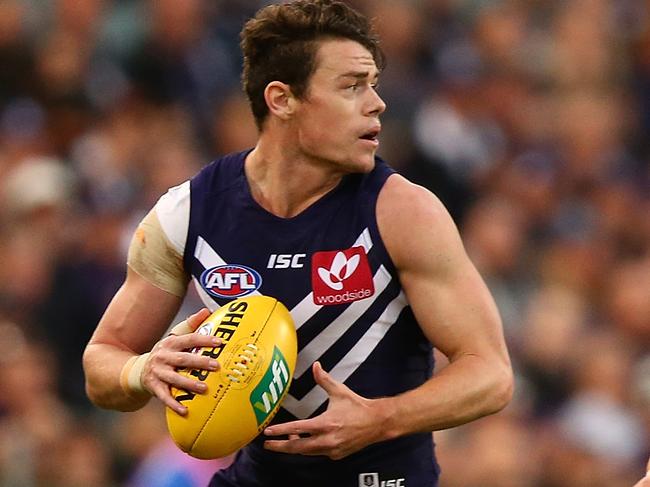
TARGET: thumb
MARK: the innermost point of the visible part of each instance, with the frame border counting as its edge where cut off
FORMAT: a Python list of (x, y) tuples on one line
[(325, 380), (195, 320), (190, 324)]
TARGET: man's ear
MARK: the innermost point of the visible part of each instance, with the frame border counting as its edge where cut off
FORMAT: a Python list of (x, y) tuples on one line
[(280, 100)]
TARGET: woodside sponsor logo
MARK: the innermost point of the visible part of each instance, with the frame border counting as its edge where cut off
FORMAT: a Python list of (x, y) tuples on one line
[(341, 276)]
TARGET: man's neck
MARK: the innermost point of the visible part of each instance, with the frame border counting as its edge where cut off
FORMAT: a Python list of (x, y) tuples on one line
[(283, 181)]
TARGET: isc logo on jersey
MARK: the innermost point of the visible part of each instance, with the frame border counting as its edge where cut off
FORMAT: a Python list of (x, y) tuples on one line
[(230, 281), (341, 276)]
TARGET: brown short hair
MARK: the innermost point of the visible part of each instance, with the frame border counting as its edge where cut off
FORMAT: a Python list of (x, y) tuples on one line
[(281, 41)]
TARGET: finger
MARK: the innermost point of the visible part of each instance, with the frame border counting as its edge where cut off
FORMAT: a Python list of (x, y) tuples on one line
[(162, 392), (186, 360), (302, 446), (190, 324), (174, 379), (197, 318), (325, 380), (309, 426), (190, 341)]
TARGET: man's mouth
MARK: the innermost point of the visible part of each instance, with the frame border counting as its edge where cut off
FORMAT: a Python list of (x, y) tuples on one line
[(371, 135)]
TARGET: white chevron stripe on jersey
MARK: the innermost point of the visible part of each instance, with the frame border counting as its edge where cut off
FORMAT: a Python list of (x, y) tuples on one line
[(206, 255), (364, 240), (306, 406), (306, 308), (326, 338), (357, 354)]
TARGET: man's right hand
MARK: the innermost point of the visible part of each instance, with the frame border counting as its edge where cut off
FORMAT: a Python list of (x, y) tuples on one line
[(159, 370)]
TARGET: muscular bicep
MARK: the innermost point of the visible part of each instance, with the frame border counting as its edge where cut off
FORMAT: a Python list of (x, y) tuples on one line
[(445, 291), (455, 310)]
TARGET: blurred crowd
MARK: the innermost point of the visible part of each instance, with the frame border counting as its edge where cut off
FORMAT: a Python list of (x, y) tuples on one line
[(530, 119)]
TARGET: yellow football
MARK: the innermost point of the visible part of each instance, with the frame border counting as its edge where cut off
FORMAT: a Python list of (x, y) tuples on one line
[(257, 357)]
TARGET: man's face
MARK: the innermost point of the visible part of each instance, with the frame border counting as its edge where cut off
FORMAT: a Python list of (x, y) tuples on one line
[(338, 121)]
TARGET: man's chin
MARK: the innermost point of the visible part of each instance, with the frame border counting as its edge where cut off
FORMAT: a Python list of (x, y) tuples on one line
[(361, 167), (360, 164), (367, 164)]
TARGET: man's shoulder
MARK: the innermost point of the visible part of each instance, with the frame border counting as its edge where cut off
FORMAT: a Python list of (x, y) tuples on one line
[(400, 197), (412, 221)]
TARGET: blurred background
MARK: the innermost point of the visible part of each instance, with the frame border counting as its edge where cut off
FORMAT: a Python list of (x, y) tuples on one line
[(530, 119)]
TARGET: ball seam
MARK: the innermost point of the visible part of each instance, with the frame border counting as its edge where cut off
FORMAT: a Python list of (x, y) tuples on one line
[(228, 387)]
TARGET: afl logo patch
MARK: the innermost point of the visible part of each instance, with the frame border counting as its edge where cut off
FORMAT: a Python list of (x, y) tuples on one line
[(230, 281)]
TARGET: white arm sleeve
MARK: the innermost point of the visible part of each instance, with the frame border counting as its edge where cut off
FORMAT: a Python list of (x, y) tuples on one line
[(156, 250), (173, 210)]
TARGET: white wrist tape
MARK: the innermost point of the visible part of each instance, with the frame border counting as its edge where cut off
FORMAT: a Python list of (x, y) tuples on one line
[(131, 376), (183, 328)]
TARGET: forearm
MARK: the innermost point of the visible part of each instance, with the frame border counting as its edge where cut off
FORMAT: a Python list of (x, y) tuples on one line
[(467, 389), (103, 366)]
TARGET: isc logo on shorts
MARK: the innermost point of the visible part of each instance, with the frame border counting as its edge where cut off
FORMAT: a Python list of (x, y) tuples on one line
[(230, 281), (341, 276), (372, 480)]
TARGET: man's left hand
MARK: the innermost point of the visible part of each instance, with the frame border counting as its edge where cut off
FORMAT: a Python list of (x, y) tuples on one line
[(350, 423)]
